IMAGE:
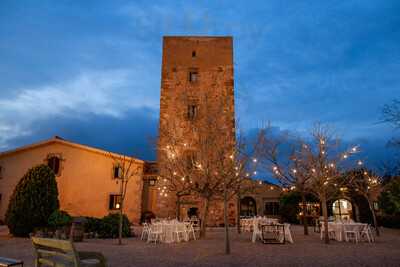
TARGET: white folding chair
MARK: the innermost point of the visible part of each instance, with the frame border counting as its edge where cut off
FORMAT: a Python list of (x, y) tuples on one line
[(331, 232), (190, 230), (366, 233), (145, 231), (350, 232), (155, 233), (180, 229)]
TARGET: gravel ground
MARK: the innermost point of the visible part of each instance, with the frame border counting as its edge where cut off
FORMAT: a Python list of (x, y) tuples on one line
[(306, 251)]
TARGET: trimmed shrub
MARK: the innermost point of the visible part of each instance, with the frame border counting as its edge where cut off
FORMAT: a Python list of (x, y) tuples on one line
[(92, 225), (59, 218), (109, 226), (34, 199)]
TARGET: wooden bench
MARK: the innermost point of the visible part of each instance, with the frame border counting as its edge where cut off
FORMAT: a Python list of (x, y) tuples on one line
[(6, 262), (62, 253)]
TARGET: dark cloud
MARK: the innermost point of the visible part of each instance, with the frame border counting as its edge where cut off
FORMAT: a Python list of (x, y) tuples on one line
[(134, 134)]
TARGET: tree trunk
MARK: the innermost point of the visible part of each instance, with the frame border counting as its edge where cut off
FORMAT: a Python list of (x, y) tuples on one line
[(226, 222), (239, 229), (325, 214), (120, 227), (204, 218), (371, 208), (304, 210), (178, 207)]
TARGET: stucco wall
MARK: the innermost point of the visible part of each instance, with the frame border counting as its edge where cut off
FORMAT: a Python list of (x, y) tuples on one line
[(84, 184)]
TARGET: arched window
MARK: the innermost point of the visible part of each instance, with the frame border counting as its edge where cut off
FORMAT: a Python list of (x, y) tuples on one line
[(342, 209), (54, 163)]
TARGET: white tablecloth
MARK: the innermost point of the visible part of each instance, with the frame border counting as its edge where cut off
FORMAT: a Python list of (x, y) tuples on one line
[(257, 232), (339, 228)]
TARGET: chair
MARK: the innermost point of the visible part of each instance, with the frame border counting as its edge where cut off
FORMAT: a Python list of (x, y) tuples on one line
[(366, 233), (190, 230), (155, 233), (180, 229), (145, 231), (54, 252), (350, 232), (331, 232)]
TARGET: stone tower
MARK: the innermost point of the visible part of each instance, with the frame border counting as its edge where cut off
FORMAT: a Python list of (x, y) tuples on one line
[(195, 70)]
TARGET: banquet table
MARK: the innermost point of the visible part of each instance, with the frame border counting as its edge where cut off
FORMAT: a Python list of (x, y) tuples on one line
[(257, 231), (168, 229), (339, 228)]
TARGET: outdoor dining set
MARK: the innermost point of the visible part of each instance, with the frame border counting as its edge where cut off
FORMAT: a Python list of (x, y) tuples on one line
[(348, 230), (170, 231), (268, 230)]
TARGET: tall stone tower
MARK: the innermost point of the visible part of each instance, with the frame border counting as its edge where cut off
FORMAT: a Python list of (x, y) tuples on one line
[(196, 82)]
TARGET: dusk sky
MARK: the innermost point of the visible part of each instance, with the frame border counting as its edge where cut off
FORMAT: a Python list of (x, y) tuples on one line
[(89, 71)]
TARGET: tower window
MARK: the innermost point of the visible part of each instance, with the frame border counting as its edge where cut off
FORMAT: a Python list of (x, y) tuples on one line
[(193, 76), (117, 172), (54, 163), (192, 112), (193, 53), (114, 202), (1, 172)]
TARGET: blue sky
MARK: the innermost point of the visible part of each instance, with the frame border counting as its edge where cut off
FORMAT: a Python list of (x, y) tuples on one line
[(89, 71)]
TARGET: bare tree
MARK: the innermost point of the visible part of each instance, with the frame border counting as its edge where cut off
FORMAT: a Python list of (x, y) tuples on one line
[(313, 166), (282, 167), (125, 168), (366, 184), (206, 161)]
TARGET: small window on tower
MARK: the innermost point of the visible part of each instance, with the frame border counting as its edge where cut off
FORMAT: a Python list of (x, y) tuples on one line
[(54, 163), (193, 53), (192, 112), (1, 172), (193, 76), (117, 171)]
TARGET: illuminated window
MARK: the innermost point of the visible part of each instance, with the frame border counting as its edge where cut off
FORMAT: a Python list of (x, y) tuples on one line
[(54, 163), (114, 202)]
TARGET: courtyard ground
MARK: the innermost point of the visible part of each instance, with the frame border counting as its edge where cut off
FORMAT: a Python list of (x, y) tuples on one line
[(306, 251)]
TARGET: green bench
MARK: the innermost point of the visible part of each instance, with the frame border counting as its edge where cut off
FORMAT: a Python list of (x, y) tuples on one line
[(62, 253)]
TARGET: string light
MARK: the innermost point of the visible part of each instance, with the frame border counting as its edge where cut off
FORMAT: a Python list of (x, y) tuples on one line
[(360, 162), (275, 168), (345, 156), (255, 173), (313, 170), (254, 160), (260, 182), (231, 156), (183, 178), (354, 149), (174, 173), (331, 165), (247, 174), (294, 171)]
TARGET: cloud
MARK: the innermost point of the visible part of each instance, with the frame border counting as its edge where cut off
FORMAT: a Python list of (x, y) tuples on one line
[(102, 93)]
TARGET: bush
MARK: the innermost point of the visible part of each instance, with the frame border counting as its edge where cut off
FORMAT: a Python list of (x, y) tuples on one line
[(34, 199), (59, 219), (389, 199), (390, 221), (109, 226), (92, 225)]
